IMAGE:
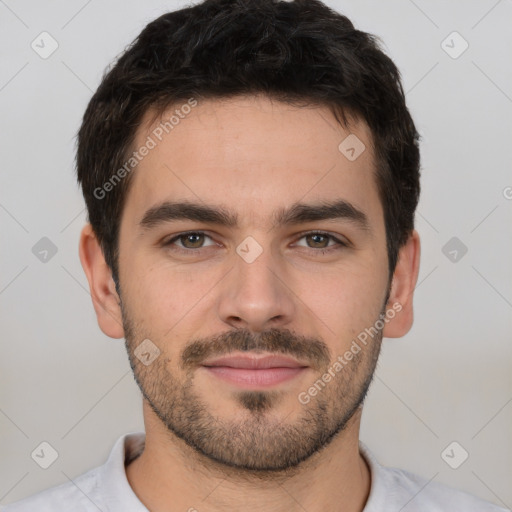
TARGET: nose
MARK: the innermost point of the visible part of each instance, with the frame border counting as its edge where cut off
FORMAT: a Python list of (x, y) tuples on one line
[(256, 295)]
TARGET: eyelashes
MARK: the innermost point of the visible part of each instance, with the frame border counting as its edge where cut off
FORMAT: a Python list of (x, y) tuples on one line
[(171, 242)]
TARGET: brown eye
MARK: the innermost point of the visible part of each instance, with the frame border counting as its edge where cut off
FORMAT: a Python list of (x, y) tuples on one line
[(320, 240), (194, 239), (187, 241)]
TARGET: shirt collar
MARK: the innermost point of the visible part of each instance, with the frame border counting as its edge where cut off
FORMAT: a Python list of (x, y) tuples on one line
[(119, 496)]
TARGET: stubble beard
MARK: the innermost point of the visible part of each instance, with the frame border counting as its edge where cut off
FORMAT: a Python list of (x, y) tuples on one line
[(258, 441)]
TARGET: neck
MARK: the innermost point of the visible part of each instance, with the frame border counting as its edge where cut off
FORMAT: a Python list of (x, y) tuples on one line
[(169, 471)]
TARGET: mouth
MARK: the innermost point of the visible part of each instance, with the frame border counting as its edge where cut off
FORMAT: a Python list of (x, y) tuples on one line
[(251, 372)]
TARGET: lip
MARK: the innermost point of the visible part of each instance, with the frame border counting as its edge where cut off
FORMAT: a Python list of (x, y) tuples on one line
[(251, 372), (255, 363)]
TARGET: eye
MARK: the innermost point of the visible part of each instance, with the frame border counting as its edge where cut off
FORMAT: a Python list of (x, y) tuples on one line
[(189, 241), (319, 238), (193, 242)]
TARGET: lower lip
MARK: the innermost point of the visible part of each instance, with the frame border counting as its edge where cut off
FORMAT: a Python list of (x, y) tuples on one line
[(249, 378)]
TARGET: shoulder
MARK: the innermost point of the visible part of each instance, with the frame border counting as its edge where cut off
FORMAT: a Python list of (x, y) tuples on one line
[(420, 494), (79, 495), (398, 489), (94, 490)]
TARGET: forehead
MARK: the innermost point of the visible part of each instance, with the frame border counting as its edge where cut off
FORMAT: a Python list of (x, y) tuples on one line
[(254, 156)]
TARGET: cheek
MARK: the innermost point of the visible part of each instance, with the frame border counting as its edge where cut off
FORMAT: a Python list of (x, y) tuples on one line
[(345, 302), (163, 294)]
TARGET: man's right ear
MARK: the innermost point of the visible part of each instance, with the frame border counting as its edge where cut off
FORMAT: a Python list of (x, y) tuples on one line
[(102, 287)]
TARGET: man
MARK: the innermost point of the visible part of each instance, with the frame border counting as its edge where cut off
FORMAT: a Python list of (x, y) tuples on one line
[(251, 174)]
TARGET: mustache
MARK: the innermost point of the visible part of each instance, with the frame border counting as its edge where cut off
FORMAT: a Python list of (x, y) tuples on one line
[(275, 341)]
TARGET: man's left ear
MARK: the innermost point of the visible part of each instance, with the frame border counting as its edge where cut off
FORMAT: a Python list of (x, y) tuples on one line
[(404, 281)]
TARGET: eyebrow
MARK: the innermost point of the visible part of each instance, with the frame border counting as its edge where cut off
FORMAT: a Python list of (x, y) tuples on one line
[(298, 213)]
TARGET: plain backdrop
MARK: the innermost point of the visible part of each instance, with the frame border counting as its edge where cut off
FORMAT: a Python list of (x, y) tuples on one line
[(449, 380)]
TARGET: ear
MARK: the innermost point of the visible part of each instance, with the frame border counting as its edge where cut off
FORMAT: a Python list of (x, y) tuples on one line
[(103, 291), (404, 281)]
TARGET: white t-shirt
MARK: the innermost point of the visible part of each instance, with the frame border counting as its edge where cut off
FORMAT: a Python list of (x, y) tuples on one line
[(106, 489)]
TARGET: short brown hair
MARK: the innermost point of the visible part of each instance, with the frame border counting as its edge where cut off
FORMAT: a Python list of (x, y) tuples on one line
[(300, 52)]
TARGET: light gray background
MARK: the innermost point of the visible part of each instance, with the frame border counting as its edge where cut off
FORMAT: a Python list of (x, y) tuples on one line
[(449, 379)]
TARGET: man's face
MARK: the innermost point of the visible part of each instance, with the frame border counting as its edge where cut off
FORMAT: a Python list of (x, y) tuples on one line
[(265, 286)]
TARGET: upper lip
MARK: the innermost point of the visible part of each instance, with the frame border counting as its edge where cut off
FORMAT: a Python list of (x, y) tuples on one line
[(254, 363)]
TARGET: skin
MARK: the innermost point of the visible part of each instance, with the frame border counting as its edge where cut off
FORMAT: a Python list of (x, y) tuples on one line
[(253, 156)]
